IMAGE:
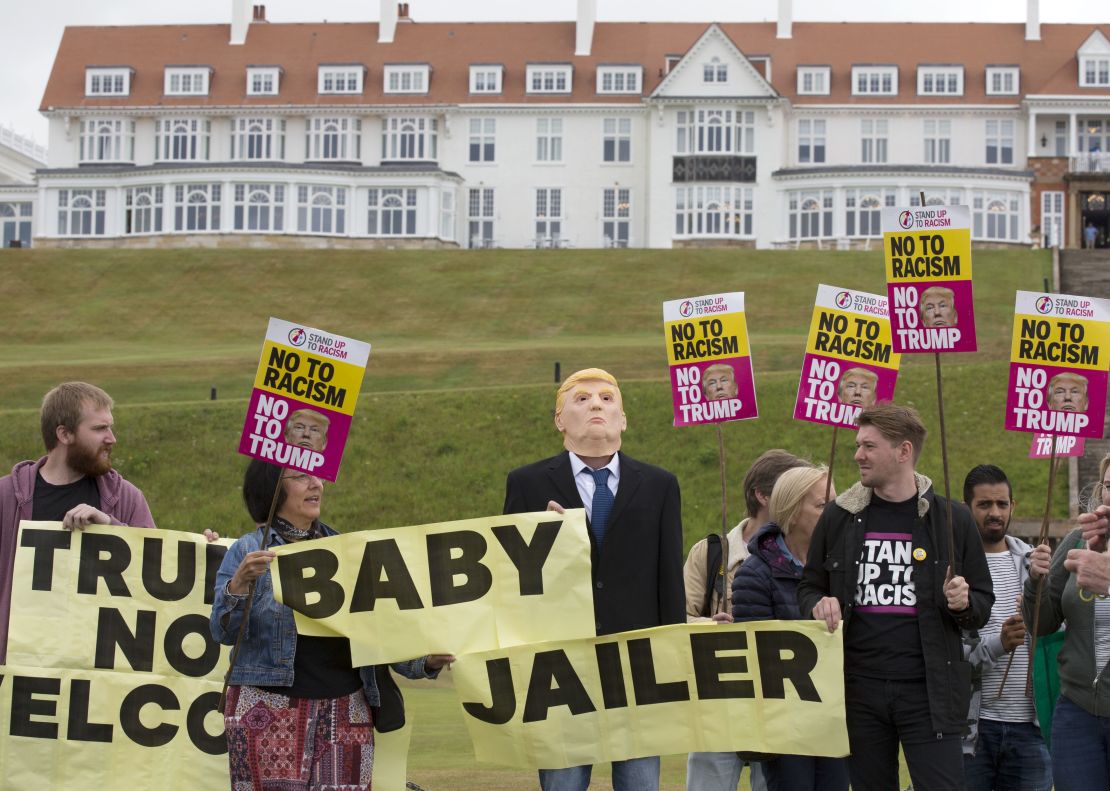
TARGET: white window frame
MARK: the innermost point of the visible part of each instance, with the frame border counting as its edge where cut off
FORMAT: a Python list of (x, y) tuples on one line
[(1002, 75), (182, 139), (874, 135), (1052, 218), (714, 71), (447, 213), (810, 214), (549, 140), (408, 78), (198, 206), (616, 141), (410, 139), (1094, 71), (15, 223), (996, 216), (269, 80), (186, 80), (107, 140), (107, 81), (616, 80), (398, 206), (714, 210), (486, 78), (257, 139), (715, 130), (342, 79), (814, 80), (548, 78), (481, 217), (1000, 137), (258, 207), (863, 208), (321, 209), (874, 80), (812, 141), (616, 217), (482, 141), (549, 217), (82, 212), (143, 210), (940, 80), (333, 139), (937, 137)]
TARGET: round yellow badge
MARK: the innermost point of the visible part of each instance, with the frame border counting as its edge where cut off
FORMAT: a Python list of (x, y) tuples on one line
[(919, 554)]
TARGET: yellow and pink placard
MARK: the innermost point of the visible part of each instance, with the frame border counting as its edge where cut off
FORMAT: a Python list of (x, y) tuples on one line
[(849, 362), (1058, 364), (928, 278), (304, 398), (710, 361)]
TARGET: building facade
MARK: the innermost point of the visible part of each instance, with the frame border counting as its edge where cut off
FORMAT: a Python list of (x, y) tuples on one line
[(583, 133), (20, 157)]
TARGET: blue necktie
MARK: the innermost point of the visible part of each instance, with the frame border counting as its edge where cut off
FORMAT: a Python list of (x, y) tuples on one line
[(602, 504)]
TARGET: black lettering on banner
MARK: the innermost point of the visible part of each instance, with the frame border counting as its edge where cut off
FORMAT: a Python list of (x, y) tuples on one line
[(42, 570), (611, 671), (528, 558), (213, 557), (110, 568), (137, 646), (443, 568), (79, 728), (25, 706), (548, 667), (775, 668), (174, 645), (709, 667), (194, 724), (132, 706), (384, 556), (182, 583), (645, 688), (296, 585), (502, 696)]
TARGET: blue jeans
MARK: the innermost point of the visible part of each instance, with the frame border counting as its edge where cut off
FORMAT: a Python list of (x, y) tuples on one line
[(720, 772), (1080, 748), (1010, 756), (635, 774)]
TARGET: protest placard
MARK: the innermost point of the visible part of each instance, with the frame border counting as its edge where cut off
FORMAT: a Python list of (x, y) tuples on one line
[(1041, 446), (710, 362), (928, 273), (1059, 355), (452, 587), (304, 396), (849, 362), (771, 686)]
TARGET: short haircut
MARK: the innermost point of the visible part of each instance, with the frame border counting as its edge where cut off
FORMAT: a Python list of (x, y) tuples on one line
[(1067, 375), (719, 367), (862, 373), (585, 375), (312, 414), (63, 405), (897, 424), (790, 489), (259, 483), (984, 474), (763, 473)]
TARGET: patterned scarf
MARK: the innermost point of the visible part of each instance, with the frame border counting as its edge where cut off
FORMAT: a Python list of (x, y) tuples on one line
[(289, 533)]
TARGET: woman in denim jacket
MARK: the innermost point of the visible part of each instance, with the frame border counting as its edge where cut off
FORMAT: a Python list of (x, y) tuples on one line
[(296, 710)]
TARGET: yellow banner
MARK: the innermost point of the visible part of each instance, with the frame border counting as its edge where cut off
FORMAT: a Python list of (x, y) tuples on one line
[(1068, 343), (772, 686), (706, 338), (850, 336), (330, 384), (112, 677), (452, 587), (927, 255)]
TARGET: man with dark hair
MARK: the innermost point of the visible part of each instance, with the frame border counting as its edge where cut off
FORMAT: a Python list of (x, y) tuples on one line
[(74, 483), (1004, 748), (635, 529), (878, 561)]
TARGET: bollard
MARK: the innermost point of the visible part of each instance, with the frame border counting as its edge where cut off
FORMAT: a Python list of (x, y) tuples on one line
[(213, 395), (557, 377)]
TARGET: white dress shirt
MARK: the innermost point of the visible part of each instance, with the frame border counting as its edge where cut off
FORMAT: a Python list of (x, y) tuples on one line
[(586, 484)]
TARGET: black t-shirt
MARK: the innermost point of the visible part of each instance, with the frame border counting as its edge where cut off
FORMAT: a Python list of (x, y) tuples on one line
[(51, 502), (322, 669), (883, 640)]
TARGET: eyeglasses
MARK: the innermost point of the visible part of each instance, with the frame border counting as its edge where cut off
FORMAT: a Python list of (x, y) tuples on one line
[(300, 477)]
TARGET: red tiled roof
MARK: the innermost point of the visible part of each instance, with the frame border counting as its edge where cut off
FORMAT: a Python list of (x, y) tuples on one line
[(1048, 66)]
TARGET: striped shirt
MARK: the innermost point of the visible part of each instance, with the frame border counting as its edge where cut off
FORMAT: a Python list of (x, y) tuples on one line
[(1013, 706)]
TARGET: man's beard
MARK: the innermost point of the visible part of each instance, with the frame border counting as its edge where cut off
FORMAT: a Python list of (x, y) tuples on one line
[(996, 531), (85, 462)]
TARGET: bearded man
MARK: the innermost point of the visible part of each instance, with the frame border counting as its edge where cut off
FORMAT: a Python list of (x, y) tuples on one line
[(74, 483)]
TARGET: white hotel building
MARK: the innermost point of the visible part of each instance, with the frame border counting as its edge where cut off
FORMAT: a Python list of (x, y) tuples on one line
[(582, 133)]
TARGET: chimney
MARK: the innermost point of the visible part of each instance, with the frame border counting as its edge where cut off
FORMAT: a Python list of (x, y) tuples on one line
[(584, 27), (786, 19), (403, 12), (1032, 20), (240, 20), (259, 13), (387, 21)]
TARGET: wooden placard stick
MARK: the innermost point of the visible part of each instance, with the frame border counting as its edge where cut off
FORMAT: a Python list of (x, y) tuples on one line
[(832, 458), (724, 602), (1040, 583)]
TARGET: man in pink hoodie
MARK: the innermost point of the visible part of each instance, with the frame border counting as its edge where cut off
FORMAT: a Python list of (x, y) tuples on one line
[(74, 483)]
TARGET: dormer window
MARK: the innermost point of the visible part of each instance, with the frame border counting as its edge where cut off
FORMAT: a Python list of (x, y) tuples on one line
[(406, 79), (940, 80), (340, 79), (874, 80), (619, 79), (715, 71), (1002, 80), (814, 80), (113, 81), (263, 80), (1094, 71), (549, 78), (186, 81), (486, 78)]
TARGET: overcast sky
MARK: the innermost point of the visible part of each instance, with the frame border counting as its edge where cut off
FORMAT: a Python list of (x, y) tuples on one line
[(32, 30)]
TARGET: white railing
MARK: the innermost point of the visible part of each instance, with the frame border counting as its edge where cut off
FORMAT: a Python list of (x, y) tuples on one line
[(23, 145), (1090, 163)]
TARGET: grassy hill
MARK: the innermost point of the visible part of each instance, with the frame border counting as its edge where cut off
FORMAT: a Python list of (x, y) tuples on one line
[(459, 388)]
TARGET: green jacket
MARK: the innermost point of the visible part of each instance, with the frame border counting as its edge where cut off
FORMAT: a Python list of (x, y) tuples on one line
[(1080, 681)]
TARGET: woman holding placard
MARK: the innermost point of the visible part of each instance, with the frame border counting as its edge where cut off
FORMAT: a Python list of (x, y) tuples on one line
[(297, 712), (766, 587)]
